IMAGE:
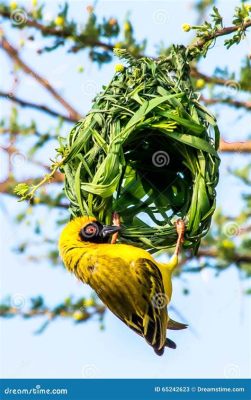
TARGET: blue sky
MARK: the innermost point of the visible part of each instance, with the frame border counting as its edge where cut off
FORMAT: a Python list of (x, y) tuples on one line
[(217, 344)]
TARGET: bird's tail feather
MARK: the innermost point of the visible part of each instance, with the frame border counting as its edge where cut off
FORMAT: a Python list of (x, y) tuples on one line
[(174, 325), (169, 343), (159, 352)]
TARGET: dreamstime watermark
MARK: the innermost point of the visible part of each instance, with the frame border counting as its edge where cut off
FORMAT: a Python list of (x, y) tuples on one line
[(17, 159), (160, 16), (10, 95), (100, 290), (160, 158), (232, 371), (37, 390), (231, 87), (89, 371), (160, 300), (90, 87), (17, 300), (231, 229), (18, 17)]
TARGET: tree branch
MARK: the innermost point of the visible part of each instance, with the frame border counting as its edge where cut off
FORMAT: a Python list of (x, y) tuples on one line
[(74, 311), (213, 253), (235, 147), (39, 107), (229, 101), (62, 32), (13, 54), (50, 313), (216, 80), (8, 184), (219, 32)]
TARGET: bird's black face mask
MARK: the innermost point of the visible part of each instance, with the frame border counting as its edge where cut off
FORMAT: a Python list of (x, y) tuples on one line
[(95, 232)]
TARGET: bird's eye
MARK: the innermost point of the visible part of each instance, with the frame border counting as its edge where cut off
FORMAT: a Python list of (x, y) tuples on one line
[(90, 231)]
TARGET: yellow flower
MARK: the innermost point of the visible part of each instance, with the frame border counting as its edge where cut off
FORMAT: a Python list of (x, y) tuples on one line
[(80, 69), (118, 45), (227, 244), (200, 83), (127, 26), (78, 315), (119, 68), (34, 3), (13, 5), (186, 27), (36, 200), (59, 21), (247, 7), (29, 211), (21, 42), (89, 303)]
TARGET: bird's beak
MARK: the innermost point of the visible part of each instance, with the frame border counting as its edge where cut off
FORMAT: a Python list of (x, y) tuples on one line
[(109, 230)]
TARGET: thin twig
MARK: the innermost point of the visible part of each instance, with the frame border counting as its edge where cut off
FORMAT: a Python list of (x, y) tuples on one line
[(229, 101), (51, 314), (62, 32), (195, 73), (39, 107), (213, 253), (219, 32), (8, 184), (13, 54)]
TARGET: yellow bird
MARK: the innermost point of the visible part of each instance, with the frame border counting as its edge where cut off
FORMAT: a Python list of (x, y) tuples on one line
[(135, 287)]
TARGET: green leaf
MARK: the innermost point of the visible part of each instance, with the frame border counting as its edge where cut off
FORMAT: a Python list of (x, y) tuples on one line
[(194, 141)]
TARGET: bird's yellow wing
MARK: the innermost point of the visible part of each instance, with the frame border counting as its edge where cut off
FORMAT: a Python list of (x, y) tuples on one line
[(130, 291)]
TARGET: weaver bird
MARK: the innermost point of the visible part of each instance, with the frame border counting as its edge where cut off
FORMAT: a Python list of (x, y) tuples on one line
[(135, 287)]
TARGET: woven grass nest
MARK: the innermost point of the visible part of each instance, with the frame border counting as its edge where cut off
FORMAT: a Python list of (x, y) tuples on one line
[(148, 150)]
